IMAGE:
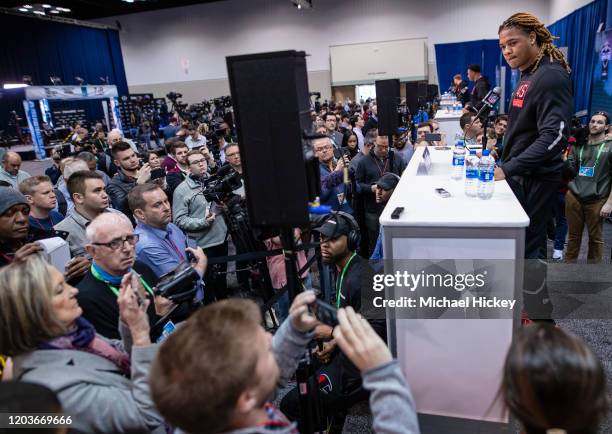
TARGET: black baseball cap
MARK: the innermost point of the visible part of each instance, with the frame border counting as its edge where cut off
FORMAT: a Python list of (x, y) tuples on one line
[(334, 227), (388, 181)]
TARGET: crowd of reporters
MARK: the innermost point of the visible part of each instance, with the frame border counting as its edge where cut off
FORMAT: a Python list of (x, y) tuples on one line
[(96, 334)]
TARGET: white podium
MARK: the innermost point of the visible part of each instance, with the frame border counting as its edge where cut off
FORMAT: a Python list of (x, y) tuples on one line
[(449, 124), (454, 366)]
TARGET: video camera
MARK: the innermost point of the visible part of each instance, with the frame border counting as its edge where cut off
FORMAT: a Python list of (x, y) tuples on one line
[(218, 187), (179, 285)]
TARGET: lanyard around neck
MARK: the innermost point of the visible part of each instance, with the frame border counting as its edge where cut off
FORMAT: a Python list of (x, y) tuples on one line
[(114, 289), (598, 154), (339, 281)]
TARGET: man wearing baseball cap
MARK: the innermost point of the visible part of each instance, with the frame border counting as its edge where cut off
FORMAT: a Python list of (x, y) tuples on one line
[(14, 227), (386, 186), (339, 380)]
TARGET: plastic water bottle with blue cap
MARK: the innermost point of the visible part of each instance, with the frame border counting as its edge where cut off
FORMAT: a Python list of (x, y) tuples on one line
[(458, 158), (471, 174), (486, 175)]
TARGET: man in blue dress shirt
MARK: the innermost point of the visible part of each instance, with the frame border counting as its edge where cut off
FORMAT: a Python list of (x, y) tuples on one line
[(161, 245)]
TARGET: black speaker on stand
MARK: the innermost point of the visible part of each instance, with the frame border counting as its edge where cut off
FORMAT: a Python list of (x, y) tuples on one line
[(272, 112), (387, 98)]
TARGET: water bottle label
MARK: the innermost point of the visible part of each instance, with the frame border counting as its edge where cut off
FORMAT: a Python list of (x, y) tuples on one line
[(471, 173), (486, 175), (458, 161)]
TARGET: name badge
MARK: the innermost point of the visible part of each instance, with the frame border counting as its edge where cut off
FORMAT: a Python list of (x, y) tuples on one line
[(586, 171), (169, 327)]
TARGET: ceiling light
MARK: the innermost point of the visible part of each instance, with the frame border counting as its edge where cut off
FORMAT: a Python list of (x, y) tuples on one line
[(14, 85), (55, 11), (46, 6), (129, 1), (66, 9), (27, 6), (39, 12), (302, 4), (24, 10)]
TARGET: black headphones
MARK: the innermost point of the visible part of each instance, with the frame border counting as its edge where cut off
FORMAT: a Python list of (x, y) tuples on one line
[(354, 236)]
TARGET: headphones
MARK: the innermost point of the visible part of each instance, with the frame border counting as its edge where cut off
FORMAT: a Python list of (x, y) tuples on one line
[(354, 236)]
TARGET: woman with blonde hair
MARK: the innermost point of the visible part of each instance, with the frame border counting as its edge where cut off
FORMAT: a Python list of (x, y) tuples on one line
[(101, 383)]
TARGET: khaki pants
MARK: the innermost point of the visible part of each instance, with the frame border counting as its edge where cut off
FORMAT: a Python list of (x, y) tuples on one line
[(578, 213)]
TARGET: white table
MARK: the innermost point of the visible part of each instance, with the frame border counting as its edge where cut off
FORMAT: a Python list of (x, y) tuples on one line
[(449, 124), (453, 365)]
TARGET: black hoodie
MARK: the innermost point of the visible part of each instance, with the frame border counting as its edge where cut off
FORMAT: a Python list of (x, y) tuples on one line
[(538, 123), (480, 90)]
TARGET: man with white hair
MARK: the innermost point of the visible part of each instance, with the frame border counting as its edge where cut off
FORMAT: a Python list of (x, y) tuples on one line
[(111, 245), (10, 171), (116, 136)]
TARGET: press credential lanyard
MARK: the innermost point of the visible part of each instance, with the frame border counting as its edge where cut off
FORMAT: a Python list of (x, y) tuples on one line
[(598, 155), (115, 290), (339, 282)]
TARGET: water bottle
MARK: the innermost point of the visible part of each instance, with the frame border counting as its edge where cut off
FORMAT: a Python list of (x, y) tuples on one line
[(471, 174), (486, 171), (458, 159)]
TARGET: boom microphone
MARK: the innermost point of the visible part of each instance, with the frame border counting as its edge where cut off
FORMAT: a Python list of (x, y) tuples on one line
[(489, 100)]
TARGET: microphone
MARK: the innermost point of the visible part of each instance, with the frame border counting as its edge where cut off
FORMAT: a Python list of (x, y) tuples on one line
[(489, 100)]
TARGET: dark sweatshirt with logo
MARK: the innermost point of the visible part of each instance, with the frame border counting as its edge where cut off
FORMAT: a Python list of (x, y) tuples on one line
[(538, 123), (597, 186)]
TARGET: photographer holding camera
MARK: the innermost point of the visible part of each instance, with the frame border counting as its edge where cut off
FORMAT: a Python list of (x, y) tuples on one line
[(228, 386), (198, 218)]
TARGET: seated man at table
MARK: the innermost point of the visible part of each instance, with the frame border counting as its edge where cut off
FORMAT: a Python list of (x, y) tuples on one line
[(422, 129), (470, 129)]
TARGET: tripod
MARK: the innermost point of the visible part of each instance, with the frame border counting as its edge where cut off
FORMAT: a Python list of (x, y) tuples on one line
[(311, 414)]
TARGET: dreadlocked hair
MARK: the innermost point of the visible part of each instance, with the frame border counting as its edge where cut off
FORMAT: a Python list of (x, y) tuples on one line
[(530, 23)]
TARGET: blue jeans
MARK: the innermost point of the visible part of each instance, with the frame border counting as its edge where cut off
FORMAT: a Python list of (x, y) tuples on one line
[(282, 311), (560, 223)]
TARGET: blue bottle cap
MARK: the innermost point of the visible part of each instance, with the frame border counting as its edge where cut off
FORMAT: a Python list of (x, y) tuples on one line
[(472, 151), (486, 152)]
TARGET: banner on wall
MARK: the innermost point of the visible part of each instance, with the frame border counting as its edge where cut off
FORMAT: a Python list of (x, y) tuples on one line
[(37, 141), (70, 92), (601, 97)]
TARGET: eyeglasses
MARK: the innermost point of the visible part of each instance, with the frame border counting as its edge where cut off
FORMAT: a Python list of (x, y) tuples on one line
[(197, 162), (324, 148), (235, 154), (119, 242)]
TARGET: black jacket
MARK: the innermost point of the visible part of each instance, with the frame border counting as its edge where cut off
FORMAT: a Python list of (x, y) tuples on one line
[(369, 170), (357, 275), (461, 92), (479, 91), (100, 306), (371, 123), (538, 123), (118, 189)]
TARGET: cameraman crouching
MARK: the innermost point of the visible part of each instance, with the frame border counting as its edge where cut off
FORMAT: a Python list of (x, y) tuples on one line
[(342, 386), (112, 248), (219, 370)]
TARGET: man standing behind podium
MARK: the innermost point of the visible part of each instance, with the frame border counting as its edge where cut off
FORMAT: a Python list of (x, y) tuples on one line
[(538, 129)]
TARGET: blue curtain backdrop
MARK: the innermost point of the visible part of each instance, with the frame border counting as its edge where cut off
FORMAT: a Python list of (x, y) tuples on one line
[(454, 58), (577, 32), (43, 48)]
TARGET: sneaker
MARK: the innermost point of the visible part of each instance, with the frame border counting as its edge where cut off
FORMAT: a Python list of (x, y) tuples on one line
[(557, 255)]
